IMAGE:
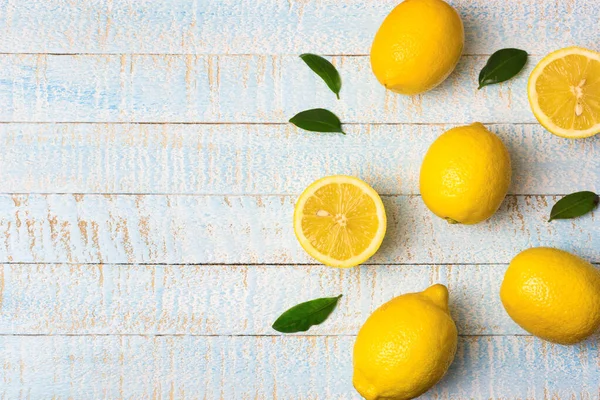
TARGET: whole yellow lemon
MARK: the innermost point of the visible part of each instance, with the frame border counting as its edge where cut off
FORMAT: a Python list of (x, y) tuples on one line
[(465, 174), (552, 294), (405, 347), (417, 46)]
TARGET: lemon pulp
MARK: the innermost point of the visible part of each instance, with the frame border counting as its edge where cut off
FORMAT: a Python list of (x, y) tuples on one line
[(564, 92), (340, 221)]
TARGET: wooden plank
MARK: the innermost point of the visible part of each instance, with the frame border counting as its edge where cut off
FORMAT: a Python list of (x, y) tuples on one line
[(232, 159), (254, 89), (258, 229), (276, 367), (274, 26), (230, 300)]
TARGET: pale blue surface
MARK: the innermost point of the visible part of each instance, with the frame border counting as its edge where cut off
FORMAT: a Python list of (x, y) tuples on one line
[(281, 367), (263, 159), (148, 177), (275, 26), (258, 229)]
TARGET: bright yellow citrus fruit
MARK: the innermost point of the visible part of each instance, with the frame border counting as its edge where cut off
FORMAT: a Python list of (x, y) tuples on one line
[(465, 174), (564, 92), (417, 46), (405, 347), (340, 221), (552, 294)]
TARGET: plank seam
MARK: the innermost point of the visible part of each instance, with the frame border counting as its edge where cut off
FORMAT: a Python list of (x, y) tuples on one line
[(263, 195), (214, 54), (274, 265), (200, 123), (216, 335), (231, 264)]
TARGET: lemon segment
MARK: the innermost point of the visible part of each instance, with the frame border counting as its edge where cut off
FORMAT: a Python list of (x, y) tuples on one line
[(340, 221), (564, 92)]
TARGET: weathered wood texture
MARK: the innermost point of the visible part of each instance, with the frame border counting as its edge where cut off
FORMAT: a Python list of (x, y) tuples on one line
[(275, 26), (257, 89), (277, 367), (263, 159), (258, 229), (221, 191), (230, 300)]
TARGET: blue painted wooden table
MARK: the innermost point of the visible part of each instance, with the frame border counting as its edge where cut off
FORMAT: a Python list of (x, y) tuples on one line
[(148, 177)]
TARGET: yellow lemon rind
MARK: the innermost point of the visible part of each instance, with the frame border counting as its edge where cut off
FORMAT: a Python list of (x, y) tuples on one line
[(552, 294), (533, 96), (323, 258), (405, 43), (406, 346)]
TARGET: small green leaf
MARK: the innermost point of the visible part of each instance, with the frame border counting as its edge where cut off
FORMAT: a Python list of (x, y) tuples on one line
[(574, 205), (317, 120), (501, 66), (325, 70), (304, 315)]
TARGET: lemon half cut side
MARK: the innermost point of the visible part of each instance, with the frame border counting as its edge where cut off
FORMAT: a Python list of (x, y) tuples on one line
[(340, 221), (564, 92)]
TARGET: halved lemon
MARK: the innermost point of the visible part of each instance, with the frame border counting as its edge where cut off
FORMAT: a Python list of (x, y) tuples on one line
[(340, 221), (564, 92)]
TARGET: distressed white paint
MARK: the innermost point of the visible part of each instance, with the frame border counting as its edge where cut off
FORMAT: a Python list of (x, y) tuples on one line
[(258, 229), (257, 89), (231, 300), (276, 367), (176, 61), (263, 159), (275, 26)]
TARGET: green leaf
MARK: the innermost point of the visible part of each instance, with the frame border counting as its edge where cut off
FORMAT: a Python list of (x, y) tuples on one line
[(317, 120), (501, 66), (304, 315), (325, 70), (574, 205)]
